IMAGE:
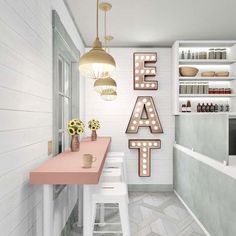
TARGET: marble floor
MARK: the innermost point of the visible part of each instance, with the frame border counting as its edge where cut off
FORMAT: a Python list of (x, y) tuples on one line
[(151, 214)]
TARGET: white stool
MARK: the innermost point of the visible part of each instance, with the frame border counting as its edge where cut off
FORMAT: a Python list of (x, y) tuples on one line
[(114, 164), (116, 159), (113, 193), (115, 154), (111, 175)]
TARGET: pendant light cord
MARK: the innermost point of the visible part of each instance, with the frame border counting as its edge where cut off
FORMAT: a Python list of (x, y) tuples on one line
[(97, 19), (105, 29)]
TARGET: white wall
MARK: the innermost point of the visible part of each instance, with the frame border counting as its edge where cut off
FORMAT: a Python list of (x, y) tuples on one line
[(114, 116), (26, 111)]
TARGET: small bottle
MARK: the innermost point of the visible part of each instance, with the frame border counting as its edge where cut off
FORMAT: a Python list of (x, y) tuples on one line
[(203, 108), (221, 108), (184, 109), (227, 108), (192, 56), (182, 55), (188, 109), (185, 55), (196, 55), (211, 107), (198, 107), (207, 107), (216, 108), (189, 54)]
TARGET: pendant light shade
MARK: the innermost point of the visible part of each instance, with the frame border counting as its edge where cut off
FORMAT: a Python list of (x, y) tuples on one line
[(97, 63), (108, 95), (103, 84)]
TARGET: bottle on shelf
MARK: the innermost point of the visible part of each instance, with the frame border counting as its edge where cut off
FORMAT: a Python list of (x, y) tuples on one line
[(189, 55), (216, 108), (182, 55), (199, 107), (184, 108), (207, 107), (188, 108), (203, 108), (211, 107), (221, 108), (227, 107)]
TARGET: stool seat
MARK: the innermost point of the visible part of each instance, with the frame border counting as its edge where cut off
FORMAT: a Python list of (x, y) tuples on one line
[(109, 189), (115, 154)]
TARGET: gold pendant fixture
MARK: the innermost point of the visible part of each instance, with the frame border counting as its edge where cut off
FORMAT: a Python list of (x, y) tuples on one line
[(97, 63), (108, 95), (106, 83), (106, 86)]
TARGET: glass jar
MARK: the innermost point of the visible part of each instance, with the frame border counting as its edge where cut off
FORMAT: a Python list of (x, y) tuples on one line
[(218, 54), (224, 54), (211, 54)]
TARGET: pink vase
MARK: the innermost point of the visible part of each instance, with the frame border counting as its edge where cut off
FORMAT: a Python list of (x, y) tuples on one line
[(94, 135), (75, 143)]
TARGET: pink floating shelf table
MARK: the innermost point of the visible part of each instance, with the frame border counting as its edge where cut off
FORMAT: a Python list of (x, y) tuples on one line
[(66, 168)]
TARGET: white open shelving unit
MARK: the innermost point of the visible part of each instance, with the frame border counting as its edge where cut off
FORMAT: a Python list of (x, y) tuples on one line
[(228, 64)]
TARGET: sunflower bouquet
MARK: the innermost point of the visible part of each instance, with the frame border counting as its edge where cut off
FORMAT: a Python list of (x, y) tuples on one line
[(94, 125), (75, 127)]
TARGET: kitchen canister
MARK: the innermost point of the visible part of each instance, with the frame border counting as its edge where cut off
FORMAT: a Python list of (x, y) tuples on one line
[(189, 88), (201, 88), (205, 88), (195, 88)]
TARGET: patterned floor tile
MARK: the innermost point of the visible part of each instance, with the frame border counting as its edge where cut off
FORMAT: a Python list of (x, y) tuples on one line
[(155, 214)]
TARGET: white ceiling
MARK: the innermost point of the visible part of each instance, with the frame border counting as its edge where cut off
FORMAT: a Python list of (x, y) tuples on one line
[(157, 22)]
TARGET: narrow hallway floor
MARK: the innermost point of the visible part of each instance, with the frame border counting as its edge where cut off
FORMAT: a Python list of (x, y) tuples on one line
[(152, 214)]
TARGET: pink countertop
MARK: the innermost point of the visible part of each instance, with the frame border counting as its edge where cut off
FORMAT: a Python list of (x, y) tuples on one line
[(66, 168)]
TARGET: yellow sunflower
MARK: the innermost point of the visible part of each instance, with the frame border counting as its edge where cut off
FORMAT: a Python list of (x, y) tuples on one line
[(93, 127), (71, 123), (80, 130), (71, 131)]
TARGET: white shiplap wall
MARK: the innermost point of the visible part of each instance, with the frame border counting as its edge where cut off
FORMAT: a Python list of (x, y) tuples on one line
[(26, 112), (114, 116)]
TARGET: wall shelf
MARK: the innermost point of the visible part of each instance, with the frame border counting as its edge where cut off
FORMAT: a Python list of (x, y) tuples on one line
[(181, 78), (206, 62), (228, 64), (207, 95)]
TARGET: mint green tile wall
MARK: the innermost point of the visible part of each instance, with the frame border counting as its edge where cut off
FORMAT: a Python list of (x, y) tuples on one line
[(206, 134), (210, 194)]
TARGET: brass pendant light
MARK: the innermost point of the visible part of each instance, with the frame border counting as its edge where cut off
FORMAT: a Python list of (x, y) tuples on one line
[(108, 95), (97, 63), (108, 85)]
